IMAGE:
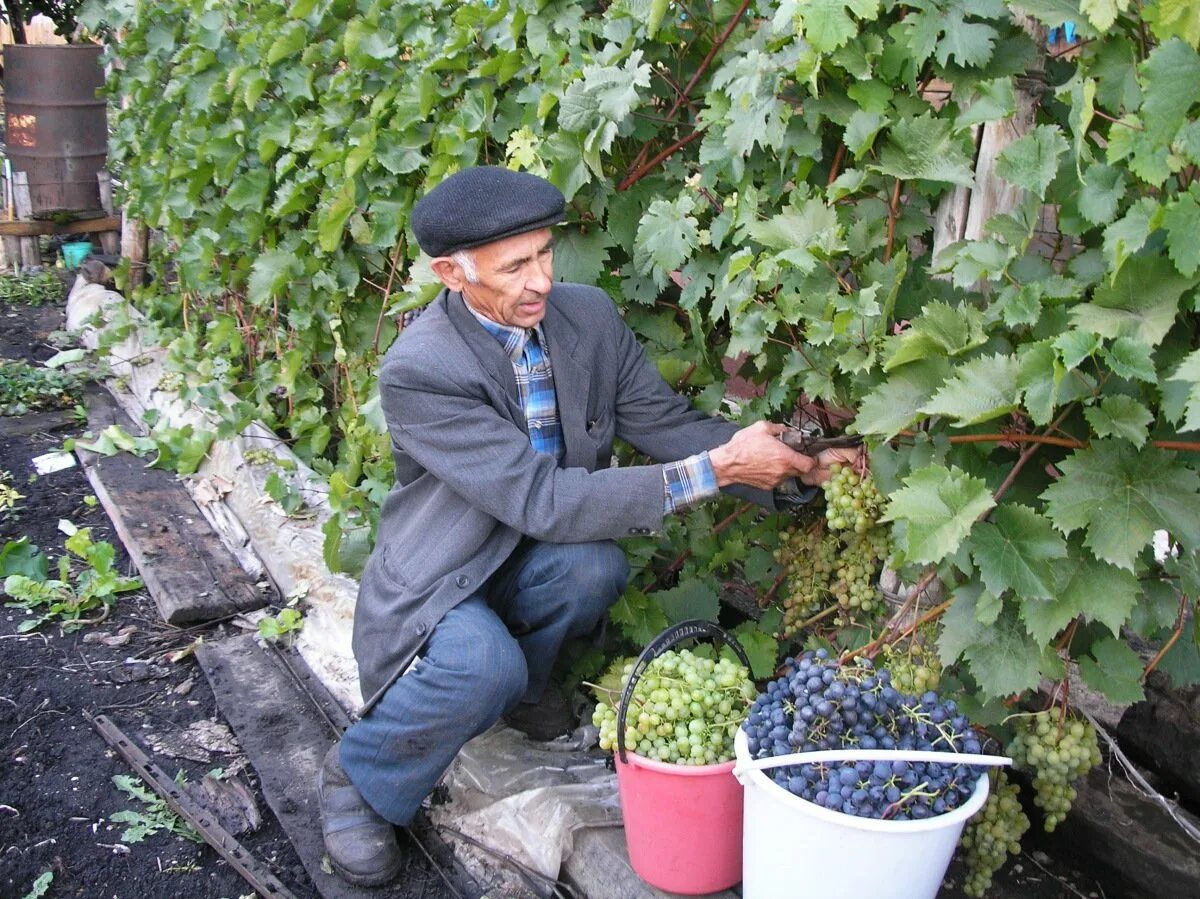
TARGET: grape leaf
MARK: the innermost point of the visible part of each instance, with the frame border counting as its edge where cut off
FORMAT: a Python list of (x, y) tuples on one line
[(960, 624), (1038, 378), (1170, 75), (1114, 669), (270, 273), (667, 234), (1032, 161), (827, 24), (939, 506), (981, 389), (942, 330), (638, 616), (249, 190), (1083, 586), (691, 599), (1175, 18), (1004, 660), (1129, 234), (893, 405), (1140, 304), (1122, 495), (1188, 372), (761, 649), (1102, 13), (925, 148), (580, 257), (1014, 550), (1120, 416), (1182, 661), (1181, 220), (968, 43), (604, 95), (365, 42), (993, 100), (1131, 360), (1103, 189)]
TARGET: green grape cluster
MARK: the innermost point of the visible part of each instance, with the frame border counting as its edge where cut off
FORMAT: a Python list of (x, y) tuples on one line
[(685, 709), (170, 381), (992, 835), (809, 557), (851, 501), (823, 567), (1056, 754), (853, 586), (915, 668)]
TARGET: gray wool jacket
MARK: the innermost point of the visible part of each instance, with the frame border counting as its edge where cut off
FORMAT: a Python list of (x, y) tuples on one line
[(468, 483)]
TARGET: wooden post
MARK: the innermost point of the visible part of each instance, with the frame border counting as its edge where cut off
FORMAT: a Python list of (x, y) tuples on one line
[(962, 214), (10, 248), (133, 247), (110, 241), (31, 253)]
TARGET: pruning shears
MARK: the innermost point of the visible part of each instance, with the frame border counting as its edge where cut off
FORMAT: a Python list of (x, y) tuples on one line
[(811, 445)]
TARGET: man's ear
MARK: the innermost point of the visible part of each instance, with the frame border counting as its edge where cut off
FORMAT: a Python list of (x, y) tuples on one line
[(449, 272)]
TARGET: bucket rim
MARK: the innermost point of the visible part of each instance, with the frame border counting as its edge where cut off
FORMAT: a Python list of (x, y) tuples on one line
[(640, 761), (957, 817)]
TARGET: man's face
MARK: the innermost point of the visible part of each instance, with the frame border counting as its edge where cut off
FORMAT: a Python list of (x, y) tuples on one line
[(514, 278)]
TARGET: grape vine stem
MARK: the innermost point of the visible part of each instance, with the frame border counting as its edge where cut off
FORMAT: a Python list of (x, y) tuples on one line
[(1172, 640), (640, 169)]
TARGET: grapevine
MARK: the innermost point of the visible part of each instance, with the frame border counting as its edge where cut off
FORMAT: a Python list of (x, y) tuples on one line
[(1056, 753), (993, 834), (685, 709)]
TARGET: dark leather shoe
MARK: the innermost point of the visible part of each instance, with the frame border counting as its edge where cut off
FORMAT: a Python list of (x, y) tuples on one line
[(361, 843), (548, 718)]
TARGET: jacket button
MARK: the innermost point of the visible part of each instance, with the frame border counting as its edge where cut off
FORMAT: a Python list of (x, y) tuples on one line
[(462, 580), (420, 628)]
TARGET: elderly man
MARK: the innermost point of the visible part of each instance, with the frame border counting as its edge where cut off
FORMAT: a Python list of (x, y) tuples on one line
[(496, 543)]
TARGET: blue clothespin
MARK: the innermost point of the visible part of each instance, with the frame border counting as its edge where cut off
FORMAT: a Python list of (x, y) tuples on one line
[(1069, 32), (1052, 37)]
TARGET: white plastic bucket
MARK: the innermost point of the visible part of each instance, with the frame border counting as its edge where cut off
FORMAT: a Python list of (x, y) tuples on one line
[(792, 847)]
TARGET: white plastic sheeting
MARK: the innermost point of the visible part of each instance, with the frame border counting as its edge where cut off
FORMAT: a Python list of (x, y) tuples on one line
[(288, 550)]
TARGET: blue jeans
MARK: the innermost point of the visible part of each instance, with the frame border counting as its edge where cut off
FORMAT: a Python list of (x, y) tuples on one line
[(491, 652)]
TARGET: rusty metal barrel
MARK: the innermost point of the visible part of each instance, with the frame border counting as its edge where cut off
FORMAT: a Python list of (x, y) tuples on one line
[(56, 126)]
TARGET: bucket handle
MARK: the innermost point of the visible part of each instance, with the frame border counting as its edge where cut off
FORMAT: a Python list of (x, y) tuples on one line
[(684, 630), (742, 768)]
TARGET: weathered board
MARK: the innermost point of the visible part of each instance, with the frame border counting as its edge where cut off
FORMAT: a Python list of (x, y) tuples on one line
[(285, 736), (187, 569)]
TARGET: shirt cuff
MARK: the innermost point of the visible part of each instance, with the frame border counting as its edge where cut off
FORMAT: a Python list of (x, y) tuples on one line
[(688, 482)]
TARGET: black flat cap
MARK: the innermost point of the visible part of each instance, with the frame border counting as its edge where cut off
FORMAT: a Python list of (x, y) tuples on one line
[(483, 204)]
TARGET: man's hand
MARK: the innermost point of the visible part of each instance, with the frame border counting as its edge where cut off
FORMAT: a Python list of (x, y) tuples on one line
[(755, 456), (847, 456)]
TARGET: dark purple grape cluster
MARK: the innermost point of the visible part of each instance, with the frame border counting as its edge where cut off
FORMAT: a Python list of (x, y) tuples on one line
[(820, 704)]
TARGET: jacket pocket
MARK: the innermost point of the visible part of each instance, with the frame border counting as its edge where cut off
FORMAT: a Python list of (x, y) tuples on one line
[(600, 431)]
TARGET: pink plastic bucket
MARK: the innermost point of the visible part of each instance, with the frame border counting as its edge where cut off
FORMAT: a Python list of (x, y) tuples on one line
[(683, 823)]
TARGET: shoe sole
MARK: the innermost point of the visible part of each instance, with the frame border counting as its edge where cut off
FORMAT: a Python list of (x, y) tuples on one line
[(366, 880)]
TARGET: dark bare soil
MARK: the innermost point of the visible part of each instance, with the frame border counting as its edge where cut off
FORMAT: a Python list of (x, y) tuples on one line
[(56, 791)]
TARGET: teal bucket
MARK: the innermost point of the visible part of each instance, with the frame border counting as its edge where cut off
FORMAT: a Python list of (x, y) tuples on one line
[(75, 252)]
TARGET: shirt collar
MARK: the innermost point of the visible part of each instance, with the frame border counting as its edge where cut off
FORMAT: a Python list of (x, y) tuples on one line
[(512, 337)]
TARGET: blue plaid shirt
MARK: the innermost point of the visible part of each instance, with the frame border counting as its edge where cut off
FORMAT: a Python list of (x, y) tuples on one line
[(685, 482)]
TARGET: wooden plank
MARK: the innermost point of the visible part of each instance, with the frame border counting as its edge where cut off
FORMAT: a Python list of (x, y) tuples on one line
[(187, 569), (110, 241), (286, 739), (33, 227), (31, 252), (34, 423)]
